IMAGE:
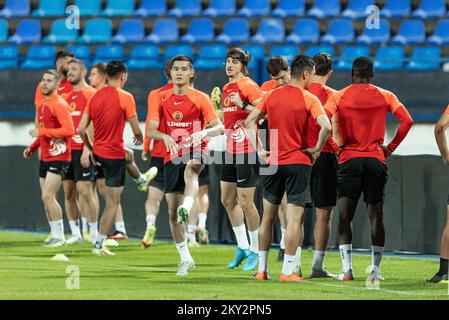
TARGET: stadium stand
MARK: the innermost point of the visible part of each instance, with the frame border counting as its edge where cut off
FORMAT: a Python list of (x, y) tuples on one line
[(16, 9), (396, 9), (144, 57), (255, 8), (50, 8), (200, 30), (27, 31), (186, 8), (88, 8), (270, 30), (235, 30), (348, 54), (164, 30), (120, 8), (3, 30), (389, 58), (220, 8), (339, 31), (97, 30), (305, 31), (289, 8), (39, 57), (130, 30), (60, 34), (9, 57), (109, 52)]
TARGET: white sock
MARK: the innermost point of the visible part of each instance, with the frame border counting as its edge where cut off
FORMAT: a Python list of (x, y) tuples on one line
[(141, 179), (318, 259), (289, 265), (183, 251), (58, 226), (298, 259), (93, 229), (263, 257), (188, 203), (100, 239), (74, 227), (346, 256), (254, 240), (240, 234), (282, 243), (120, 227), (202, 217), (376, 255), (151, 220), (191, 228), (52, 229), (84, 224)]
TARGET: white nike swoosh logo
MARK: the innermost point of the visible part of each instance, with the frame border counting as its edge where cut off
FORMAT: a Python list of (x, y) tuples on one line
[(178, 103), (51, 168), (240, 180), (86, 174)]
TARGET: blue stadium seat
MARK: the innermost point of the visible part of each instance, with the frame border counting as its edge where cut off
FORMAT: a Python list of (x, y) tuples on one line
[(375, 36), (60, 34), (16, 9), (3, 30), (107, 53), (349, 54), (396, 9), (424, 59), (9, 57), (429, 9), (81, 52), (304, 31), (287, 51), (50, 8), (235, 30), (97, 30), (441, 33), (255, 8), (289, 8), (220, 8), (256, 52), (144, 56), (120, 8), (325, 9), (27, 31), (164, 30), (270, 30), (339, 31), (39, 57), (89, 8), (186, 8), (200, 30), (389, 58), (130, 30), (410, 32), (313, 50), (152, 8), (211, 57), (357, 9), (173, 50)]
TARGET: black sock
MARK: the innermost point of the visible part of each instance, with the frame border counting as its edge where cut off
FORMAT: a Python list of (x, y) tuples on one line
[(443, 266)]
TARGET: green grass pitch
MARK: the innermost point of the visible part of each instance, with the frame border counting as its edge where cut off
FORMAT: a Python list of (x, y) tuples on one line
[(26, 272)]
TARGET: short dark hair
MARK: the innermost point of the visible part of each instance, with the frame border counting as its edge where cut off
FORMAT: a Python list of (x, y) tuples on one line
[(182, 57), (101, 67), (300, 64), (241, 55), (79, 62), (277, 64), (323, 63), (115, 68), (64, 54), (362, 67), (167, 68), (54, 73)]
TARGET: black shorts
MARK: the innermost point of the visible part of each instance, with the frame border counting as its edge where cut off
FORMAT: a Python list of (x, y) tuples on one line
[(203, 179), (174, 172), (114, 171), (56, 167), (98, 172), (76, 171), (323, 180), (292, 179), (158, 181), (367, 175), (240, 169)]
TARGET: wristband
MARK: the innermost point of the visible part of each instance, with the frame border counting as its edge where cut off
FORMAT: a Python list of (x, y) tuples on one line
[(244, 105)]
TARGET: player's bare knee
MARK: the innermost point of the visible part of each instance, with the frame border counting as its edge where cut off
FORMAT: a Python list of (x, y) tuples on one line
[(129, 156)]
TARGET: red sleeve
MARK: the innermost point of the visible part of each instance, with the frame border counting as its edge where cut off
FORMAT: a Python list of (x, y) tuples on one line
[(406, 123), (35, 145), (67, 128), (128, 104)]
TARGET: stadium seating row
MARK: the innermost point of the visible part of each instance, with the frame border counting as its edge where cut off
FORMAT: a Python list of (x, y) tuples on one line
[(213, 56), (235, 30), (428, 9)]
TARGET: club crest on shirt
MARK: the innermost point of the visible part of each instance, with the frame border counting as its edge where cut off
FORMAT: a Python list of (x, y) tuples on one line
[(72, 106), (226, 102), (177, 116)]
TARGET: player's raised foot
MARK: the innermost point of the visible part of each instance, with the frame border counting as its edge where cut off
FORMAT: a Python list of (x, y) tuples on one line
[(48, 239), (438, 278), (111, 243), (192, 243), (294, 277), (184, 267), (102, 251), (262, 275), (182, 214), (148, 238), (321, 273), (73, 240), (251, 263), (117, 235), (346, 276), (149, 175), (240, 256), (374, 274), (281, 254), (55, 243), (203, 235)]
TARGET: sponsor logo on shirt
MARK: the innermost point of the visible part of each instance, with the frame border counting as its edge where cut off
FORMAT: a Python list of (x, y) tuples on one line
[(77, 139), (57, 147), (238, 134)]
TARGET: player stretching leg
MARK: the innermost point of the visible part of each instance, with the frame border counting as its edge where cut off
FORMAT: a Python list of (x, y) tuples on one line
[(197, 219), (288, 109)]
